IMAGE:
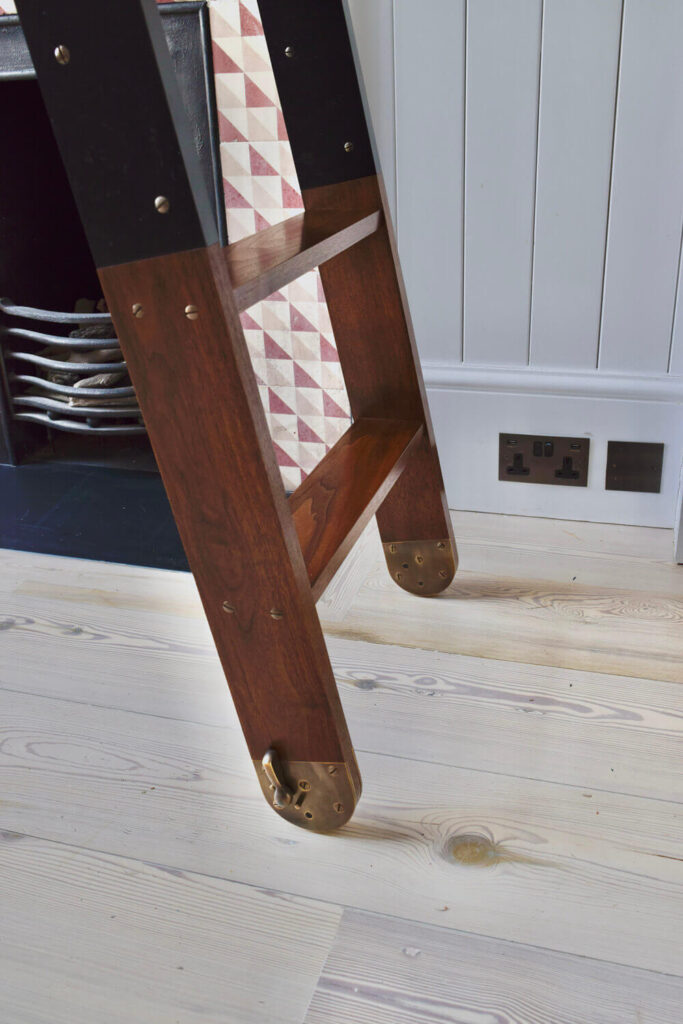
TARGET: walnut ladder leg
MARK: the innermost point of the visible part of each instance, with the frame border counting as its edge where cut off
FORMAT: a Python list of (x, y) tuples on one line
[(260, 560)]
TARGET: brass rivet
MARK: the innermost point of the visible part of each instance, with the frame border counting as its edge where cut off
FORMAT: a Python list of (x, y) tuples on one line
[(162, 204), (441, 545), (137, 310), (443, 574), (275, 613), (229, 608), (191, 312), (61, 54), (332, 769), (348, 146), (305, 785), (419, 559), (289, 52), (339, 808)]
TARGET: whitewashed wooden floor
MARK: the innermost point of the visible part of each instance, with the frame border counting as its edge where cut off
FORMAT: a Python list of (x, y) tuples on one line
[(517, 855)]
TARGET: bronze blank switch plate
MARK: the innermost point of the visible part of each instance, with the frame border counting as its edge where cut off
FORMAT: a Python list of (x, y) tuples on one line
[(634, 466), (541, 459)]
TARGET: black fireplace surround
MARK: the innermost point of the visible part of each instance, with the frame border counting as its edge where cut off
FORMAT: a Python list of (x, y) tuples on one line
[(77, 475)]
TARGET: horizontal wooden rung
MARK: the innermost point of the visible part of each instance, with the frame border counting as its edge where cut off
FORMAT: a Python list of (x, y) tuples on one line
[(334, 504), (262, 263)]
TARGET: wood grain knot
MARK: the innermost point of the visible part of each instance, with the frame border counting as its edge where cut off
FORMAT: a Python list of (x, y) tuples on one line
[(473, 850)]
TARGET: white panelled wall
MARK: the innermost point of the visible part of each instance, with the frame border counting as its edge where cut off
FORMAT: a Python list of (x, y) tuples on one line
[(533, 156)]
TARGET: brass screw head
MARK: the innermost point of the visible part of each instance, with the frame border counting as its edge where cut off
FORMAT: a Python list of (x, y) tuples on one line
[(399, 576), (305, 785), (441, 545), (419, 559), (289, 52), (191, 312), (229, 608), (162, 204), (339, 808), (62, 54), (275, 613), (348, 147), (331, 769), (443, 574), (137, 310)]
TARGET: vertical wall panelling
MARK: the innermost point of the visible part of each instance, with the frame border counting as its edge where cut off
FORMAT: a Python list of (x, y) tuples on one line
[(576, 122), (373, 27), (503, 51), (430, 81), (647, 191), (678, 524), (676, 357)]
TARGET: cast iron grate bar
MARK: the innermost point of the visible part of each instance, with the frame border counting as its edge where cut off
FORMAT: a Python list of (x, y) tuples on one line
[(71, 427), (57, 341), (53, 316), (66, 389), (76, 383)]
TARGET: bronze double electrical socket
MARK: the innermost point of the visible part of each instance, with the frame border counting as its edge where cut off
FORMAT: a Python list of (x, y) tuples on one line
[(541, 459)]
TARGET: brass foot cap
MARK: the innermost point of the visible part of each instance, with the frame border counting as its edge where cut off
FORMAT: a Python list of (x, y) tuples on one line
[(423, 567), (315, 795)]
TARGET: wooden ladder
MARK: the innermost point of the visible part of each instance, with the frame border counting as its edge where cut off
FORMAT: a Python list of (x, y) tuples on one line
[(260, 560)]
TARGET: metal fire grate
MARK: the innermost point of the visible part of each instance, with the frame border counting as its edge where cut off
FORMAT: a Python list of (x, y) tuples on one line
[(76, 381)]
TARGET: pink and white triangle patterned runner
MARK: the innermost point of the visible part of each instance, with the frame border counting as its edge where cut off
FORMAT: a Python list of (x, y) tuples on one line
[(289, 334)]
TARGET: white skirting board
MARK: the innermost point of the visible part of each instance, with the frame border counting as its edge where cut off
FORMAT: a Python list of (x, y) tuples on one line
[(471, 405)]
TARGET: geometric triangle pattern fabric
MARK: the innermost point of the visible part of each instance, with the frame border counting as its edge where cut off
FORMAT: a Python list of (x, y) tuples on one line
[(289, 334)]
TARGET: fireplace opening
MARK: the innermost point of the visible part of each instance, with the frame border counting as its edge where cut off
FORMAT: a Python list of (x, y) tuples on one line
[(69, 418), (67, 390)]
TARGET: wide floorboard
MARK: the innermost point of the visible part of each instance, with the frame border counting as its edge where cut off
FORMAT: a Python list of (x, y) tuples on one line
[(517, 854)]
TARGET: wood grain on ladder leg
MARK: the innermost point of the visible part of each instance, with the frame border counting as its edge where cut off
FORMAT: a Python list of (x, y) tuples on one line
[(151, 225), (377, 349), (197, 390)]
